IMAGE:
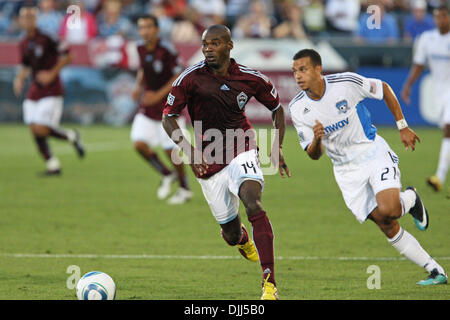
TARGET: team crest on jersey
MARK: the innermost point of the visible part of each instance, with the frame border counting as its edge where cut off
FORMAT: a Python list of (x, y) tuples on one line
[(242, 99), (342, 106), (38, 51), (157, 66)]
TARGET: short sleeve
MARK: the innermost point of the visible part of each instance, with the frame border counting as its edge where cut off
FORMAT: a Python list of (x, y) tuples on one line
[(177, 98), (267, 94), (366, 87), (420, 50)]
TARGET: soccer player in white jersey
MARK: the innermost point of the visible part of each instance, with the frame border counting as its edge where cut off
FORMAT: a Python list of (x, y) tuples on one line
[(328, 113), (433, 49)]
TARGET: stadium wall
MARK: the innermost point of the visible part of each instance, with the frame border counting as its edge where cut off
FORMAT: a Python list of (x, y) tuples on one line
[(99, 81)]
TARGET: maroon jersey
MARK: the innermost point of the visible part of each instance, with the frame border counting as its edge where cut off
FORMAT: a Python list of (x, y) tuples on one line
[(40, 52), (158, 66), (219, 104)]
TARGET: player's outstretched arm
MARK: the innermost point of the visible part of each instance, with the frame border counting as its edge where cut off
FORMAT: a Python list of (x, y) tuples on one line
[(407, 136), (279, 123), (315, 148), (196, 160), (413, 75)]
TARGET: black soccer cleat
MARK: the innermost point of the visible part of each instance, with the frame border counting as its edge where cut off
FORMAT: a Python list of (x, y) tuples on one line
[(78, 145), (419, 212)]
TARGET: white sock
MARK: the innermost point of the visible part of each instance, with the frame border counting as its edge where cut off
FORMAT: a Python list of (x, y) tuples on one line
[(71, 135), (407, 199), (444, 160), (409, 247), (53, 164)]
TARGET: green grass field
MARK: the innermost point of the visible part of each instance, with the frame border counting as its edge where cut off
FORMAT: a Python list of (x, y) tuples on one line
[(105, 206)]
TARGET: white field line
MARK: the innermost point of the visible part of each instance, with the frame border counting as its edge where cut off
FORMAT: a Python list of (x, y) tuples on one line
[(193, 257)]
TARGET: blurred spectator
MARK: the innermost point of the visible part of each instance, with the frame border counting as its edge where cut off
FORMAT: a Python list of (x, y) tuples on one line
[(313, 16), (80, 33), (342, 16), (291, 26), (235, 9), (418, 21), (378, 26), (49, 19), (175, 9), (205, 13), (111, 21), (255, 24), (165, 22), (9, 25)]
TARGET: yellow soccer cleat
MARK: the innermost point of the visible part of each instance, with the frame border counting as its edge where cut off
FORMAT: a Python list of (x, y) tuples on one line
[(269, 290), (435, 183), (248, 251)]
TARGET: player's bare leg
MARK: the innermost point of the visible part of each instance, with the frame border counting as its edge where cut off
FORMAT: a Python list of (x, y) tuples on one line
[(437, 181), (250, 194), (235, 234), (391, 206), (152, 158), (40, 134), (184, 193)]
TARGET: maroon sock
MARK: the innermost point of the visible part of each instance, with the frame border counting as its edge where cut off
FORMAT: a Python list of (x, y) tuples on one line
[(59, 133), (263, 238), (43, 147), (156, 163), (243, 240), (183, 182)]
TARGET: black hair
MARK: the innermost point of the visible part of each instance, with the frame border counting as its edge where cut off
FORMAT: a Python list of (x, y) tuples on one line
[(149, 16), (313, 55)]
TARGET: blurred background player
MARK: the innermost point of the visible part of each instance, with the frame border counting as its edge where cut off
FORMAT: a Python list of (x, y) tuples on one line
[(43, 58), (328, 113), (159, 67), (433, 49), (216, 91)]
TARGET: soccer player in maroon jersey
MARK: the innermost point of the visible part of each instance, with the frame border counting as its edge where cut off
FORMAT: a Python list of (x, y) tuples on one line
[(43, 58), (159, 67), (215, 92)]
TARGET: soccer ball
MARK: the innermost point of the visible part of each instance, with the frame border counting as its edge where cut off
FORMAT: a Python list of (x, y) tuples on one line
[(96, 285)]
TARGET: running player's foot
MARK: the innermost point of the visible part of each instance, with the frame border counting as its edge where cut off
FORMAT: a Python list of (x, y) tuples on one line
[(165, 186), (180, 197), (419, 212), (435, 183), (248, 249), (269, 290), (79, 145), (434, 278)]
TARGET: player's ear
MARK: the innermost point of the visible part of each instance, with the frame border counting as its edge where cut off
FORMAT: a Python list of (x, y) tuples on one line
[(230, 45)]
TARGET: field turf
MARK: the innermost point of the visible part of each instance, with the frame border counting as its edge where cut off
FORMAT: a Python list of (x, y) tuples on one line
[(103, 214)]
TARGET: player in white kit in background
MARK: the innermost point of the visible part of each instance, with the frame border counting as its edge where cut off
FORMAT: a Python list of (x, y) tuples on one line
[(328, 113), (433, 49)]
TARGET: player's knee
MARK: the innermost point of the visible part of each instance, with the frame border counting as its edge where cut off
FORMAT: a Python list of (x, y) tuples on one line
[(253, 207), (141, 147), (39, 131)]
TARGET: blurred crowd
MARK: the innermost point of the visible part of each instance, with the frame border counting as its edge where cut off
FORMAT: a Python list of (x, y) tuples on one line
[(185, 20)]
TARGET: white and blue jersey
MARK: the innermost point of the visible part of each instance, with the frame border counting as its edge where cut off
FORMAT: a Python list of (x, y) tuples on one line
[(349, 134)]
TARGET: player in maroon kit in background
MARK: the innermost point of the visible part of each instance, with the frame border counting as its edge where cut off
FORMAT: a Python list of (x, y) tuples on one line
[(159, 67), (43, 58), (215, 92)]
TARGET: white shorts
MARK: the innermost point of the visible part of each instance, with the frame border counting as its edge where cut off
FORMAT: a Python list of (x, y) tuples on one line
[(46, 111), (221, 191), (152, 132), (359, 183)]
